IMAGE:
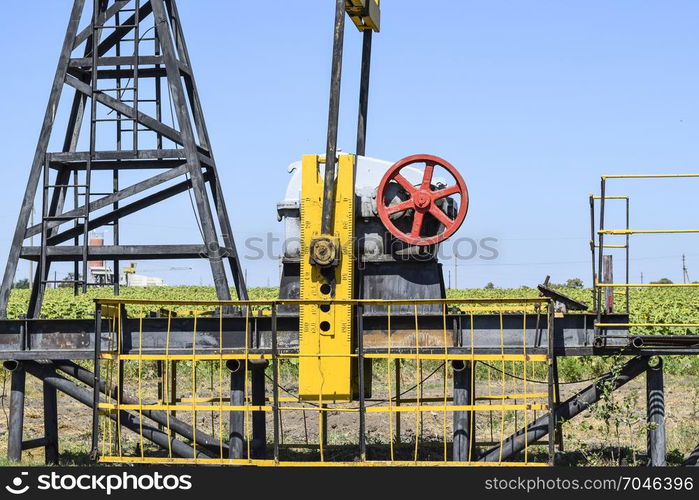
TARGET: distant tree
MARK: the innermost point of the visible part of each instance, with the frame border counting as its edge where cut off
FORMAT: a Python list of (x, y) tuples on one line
[(70, 277), (574, 283), (489, 286), (21, 283), (662, 281)]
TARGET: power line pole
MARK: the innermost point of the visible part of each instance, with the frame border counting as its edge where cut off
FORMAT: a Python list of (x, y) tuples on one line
[(685, 273), (456, 275), (641, 278)]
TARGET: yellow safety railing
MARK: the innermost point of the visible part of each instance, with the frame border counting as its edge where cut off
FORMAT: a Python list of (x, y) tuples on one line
[(407, 419), (600, 285)]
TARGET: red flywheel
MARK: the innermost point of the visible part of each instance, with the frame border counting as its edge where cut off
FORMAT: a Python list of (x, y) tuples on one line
[(422, 199)]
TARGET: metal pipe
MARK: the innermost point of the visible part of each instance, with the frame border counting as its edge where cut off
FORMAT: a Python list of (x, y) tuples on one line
[(693, 459), (333, 118), (655, 404), (236, 419), (259, 398), (127, 419), (178, 426), (16, 424), (463, 394), (567, 410), (50, 424), (364, 92)]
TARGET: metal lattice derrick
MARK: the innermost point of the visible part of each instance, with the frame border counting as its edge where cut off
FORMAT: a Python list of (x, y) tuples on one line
[(122, 69)]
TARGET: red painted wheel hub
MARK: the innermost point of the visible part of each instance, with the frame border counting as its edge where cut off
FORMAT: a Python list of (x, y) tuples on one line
[(422, 200)]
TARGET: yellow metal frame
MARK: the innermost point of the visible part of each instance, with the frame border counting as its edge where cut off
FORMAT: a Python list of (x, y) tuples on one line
[(506, 397), (325, 336), (365, 14), (628, 232)]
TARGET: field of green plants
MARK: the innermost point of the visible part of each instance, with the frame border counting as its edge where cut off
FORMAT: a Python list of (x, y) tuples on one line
[(650, 305)]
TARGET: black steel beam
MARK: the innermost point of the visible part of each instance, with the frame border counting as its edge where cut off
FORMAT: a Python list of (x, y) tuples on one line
[(39, 156), (105, 201), (106, 16), (126, 110), (566, 410), (236, 419), (178, 426), (120, 252), (692, 459), (463, 395), (16, 418), (127, 419), (655, 406), (333, 118), (124, 211), (177, 95), (119, 165), (50, 424), (364, 92)]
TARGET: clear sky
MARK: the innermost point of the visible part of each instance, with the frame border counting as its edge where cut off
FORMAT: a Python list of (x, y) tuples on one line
[(531, 100)]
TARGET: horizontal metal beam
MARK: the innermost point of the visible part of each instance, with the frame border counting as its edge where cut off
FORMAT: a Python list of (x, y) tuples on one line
[(117, 252), (123, 211), (110, 13), (122, 165), (47, 374), (74, 338), (108, 200), (566, 410), (126, 110), (123, 73), (160, 417), (83, 62), (80, 157)]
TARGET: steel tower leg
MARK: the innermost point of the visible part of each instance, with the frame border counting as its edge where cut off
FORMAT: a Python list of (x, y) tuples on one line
[(97, 83), (655, 401), (16, 426)]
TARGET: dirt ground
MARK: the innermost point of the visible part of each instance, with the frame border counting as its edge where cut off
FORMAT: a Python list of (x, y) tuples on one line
[(611, 433)]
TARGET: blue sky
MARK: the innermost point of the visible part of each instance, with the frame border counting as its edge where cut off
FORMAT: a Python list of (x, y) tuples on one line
[(532, 101)]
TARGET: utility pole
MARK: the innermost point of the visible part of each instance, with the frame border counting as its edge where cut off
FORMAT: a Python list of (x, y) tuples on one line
[(641, 278), (685, 273), (449, 274), (456, 275)]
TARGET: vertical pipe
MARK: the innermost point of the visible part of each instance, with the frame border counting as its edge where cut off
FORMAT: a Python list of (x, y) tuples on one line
[(364, 92), (556, 402), (161, 384), (50, 424), (96, 384), (628, 242), (259, 427), (592, 249), (655, 401), (600, 245), (16, 430), (462, 419), (275, 382), (236, 420), (362, 403), (173, 386), (608, 277), (552, 423), (333, 118), (397, 363)]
